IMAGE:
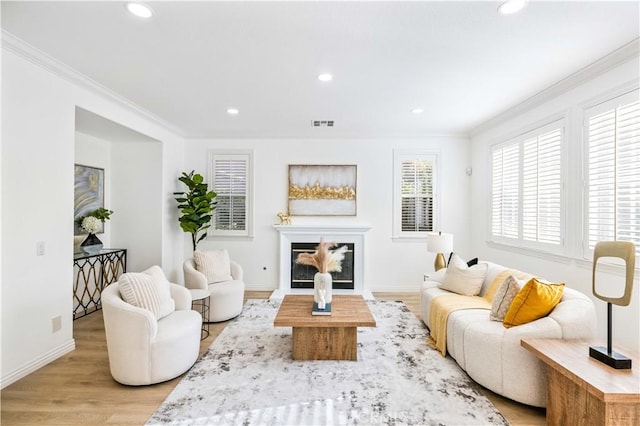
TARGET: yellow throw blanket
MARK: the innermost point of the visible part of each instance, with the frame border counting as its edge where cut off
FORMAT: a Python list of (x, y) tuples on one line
[(444, 305)]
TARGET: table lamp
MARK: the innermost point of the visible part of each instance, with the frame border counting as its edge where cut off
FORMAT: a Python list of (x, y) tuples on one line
[(627, 251), (439, 243)]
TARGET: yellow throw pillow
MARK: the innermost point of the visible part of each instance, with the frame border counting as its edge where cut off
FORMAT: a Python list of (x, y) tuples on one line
[(535, 300)]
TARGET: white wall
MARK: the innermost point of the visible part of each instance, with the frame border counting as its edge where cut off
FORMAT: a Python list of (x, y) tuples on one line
[(137, 202), (391, 265), (38, 132), (38, 185), (133, 190), (94, 152), (572, 268)]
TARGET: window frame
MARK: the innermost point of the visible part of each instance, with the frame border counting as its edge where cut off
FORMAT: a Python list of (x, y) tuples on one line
[(400, 155), (608, 102), (247, 154), (534, 131)]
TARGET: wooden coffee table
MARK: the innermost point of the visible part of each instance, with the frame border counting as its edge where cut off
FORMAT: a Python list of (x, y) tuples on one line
[(318, 337)]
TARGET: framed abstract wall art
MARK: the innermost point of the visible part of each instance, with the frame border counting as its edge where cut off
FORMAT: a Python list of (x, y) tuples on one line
[(322, 190), (88, 193)]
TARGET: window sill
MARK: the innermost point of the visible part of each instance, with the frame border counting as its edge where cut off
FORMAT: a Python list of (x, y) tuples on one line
[(229, 237), (555, 257), (409, 238), (606, 267)]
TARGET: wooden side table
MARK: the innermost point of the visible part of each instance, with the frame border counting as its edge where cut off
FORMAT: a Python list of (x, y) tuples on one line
[(200, 302), (583, 391)]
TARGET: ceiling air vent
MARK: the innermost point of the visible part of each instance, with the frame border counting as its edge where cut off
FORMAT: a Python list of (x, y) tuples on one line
[(321, 123)]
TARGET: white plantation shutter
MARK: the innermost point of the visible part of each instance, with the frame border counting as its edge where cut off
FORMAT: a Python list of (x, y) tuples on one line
[(542, 187), (613, 171), (417, 195), (230, 178), (414, 198), (506, 191), (526, 189)]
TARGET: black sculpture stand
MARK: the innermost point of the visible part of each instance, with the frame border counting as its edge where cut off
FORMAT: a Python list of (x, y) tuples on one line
[(607, 355)]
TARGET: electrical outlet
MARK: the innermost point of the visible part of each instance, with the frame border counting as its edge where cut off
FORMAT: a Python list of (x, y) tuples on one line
[(56, 323), (40, 248)]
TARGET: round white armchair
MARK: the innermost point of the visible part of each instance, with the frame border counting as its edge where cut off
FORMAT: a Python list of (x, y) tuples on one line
[(144, 350), (227, 297)]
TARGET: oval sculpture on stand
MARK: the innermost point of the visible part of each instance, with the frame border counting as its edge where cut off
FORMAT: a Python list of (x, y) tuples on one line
[(322, 288)]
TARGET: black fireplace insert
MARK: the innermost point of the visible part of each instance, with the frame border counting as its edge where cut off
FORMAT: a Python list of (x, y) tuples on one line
[(302, 275)]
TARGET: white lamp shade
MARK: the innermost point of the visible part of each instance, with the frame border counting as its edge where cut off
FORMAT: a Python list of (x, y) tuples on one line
[(439, 242)]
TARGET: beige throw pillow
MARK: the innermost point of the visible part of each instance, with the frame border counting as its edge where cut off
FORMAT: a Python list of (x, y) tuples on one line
[(463, 279), (214, 264), (148, 290), (504, 296)]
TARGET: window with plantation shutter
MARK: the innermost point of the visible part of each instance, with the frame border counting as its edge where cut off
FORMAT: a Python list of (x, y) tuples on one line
[(526, 189), (505, 202), (612, 190), (542, 188), (230, 175), (414, 180)]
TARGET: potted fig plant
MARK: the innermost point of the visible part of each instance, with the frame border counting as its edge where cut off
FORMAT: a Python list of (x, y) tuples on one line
[(196, 205)]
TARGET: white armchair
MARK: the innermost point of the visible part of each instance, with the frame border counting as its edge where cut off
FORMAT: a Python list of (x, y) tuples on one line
[(143, 350), (227, 297)]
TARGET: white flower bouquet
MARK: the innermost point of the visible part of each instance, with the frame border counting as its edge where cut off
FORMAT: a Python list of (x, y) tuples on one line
[(90, 224)]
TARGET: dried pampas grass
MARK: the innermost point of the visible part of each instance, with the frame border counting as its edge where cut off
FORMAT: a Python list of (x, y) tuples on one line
[(324, 260)]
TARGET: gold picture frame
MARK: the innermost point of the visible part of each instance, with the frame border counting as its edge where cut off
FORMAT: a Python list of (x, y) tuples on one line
[(322, 190)]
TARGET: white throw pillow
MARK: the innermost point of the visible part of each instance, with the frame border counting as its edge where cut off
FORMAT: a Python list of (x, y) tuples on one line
[(463, 279), (148, 290), (504, 296), (214, 264)]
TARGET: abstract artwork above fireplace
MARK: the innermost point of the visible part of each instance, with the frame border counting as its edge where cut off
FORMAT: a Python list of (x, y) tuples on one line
[(322, 190)]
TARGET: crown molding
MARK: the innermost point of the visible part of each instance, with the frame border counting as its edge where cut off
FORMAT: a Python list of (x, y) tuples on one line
[(36, 56), (617, 57)]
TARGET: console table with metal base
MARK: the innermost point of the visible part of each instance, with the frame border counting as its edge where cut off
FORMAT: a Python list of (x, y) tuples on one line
[(92, 273)]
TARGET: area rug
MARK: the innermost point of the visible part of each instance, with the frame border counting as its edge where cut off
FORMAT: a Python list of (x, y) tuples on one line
[(247, 377)]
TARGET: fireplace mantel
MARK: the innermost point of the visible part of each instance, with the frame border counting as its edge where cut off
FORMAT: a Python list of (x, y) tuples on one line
[(316, 229), (343, 233)]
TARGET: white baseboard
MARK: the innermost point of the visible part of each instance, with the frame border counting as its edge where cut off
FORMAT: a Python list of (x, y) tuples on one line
[(259, 287), (37, 363), (279, 294), (409, 288), (406, 288)]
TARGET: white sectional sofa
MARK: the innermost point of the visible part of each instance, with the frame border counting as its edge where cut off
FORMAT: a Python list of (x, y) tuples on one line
[(491, 354)]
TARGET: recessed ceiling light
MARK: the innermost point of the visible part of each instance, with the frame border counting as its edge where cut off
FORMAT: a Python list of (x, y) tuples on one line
[(140, 9), (417, 111), (325, 77), (511, 6), (233, 111)]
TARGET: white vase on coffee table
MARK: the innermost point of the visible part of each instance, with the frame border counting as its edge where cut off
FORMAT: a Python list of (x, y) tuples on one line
[(322, 288)]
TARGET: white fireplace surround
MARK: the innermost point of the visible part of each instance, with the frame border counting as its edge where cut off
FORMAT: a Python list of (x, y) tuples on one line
[(352, 233)]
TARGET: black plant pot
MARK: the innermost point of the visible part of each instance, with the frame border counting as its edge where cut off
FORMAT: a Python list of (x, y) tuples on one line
[(91, 244)]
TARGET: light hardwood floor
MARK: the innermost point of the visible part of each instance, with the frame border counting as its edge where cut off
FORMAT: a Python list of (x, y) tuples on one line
[(77, 389)]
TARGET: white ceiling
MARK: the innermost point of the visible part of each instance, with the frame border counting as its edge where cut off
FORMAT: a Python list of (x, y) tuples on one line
[(460, 61)]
